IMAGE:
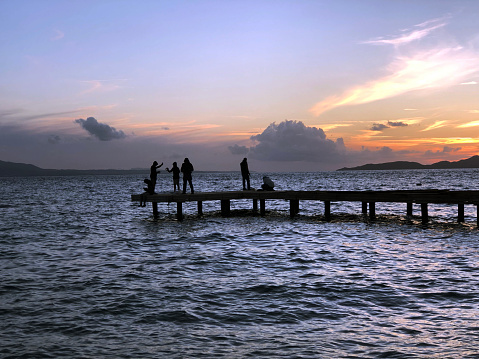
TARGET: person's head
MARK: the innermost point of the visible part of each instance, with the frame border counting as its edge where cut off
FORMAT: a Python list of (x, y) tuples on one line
[(187, 160), (155, 163), (175, 164), (244, 159)]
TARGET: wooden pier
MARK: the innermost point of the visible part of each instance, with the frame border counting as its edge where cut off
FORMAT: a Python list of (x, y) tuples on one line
[(367, 198)]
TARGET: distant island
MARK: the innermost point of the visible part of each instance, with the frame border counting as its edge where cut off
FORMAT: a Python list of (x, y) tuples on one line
[(12, 169), (472, 162)]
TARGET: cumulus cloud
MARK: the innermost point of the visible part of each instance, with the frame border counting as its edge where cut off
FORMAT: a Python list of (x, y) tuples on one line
[(238, 150), (419, 68), (293, 141), (101, 131)]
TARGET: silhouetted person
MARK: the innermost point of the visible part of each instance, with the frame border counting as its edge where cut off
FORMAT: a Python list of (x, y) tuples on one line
[(245, 173), (176, 176), (268, 184), (187, 169), (154, 173), (150, 189)]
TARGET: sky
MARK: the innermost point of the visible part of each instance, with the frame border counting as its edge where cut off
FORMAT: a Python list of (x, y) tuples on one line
[(303, 85)]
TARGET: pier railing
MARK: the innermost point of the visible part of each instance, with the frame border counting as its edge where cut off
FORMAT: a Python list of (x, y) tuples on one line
[(367, 198)]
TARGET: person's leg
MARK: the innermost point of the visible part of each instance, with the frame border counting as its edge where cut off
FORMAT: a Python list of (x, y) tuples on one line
[(244, 182), (191, 185), (248, 183), (184, 185)]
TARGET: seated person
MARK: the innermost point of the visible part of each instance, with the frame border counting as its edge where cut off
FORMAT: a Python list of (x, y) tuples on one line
[(151, 186), (268, 184)]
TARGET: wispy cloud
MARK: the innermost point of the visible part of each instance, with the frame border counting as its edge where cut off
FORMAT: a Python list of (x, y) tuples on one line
[(102, 85), (469, 83), (425, 70), (421, 69), (420, 31), (469, 124), (332, 126), (58, 35), (435, 125)]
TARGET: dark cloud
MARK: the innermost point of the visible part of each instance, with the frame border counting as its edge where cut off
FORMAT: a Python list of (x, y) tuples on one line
[(293, 141), (397, 124), (101, 131), (446, 150), (378, 127), (238, 150)]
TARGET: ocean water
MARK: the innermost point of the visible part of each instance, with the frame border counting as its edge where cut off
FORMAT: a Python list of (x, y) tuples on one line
[(86, 273)]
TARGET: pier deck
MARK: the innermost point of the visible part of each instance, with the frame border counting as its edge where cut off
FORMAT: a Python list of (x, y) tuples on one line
[(367, 198)]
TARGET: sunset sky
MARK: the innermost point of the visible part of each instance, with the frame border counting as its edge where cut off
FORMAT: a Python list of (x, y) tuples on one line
[(305, 85)]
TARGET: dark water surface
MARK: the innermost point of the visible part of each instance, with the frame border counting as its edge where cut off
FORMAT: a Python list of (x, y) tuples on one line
[(85, 273)]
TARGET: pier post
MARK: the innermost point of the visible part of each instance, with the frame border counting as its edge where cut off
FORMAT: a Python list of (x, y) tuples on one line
[(409, 209), (179, 211), (262, 207), (293, 207), (372, 211), (255, 205), (460, 212), (225, 207), (424, 213), (327, 210), (200, 208), (364, 207), (154, 205), (477, 214)]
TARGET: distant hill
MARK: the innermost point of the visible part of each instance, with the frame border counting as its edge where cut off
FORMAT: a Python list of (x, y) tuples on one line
[(12, 169), (472, 162)]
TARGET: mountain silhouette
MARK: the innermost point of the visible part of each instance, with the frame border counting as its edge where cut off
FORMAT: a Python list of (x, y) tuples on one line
[(472, 162), (12, 169)]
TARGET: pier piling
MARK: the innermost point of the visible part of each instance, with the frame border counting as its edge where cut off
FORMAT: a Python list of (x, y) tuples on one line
[(460, 212), (424, 213)]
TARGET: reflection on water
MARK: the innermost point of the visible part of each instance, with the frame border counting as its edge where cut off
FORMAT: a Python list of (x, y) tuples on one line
[(86, 273)]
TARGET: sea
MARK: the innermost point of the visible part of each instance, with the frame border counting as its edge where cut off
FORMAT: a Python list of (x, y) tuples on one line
[(87, 273)]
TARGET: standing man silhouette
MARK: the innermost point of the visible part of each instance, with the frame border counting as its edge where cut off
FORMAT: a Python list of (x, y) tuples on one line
[(245, 173), (187, 169), (154, 174)]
